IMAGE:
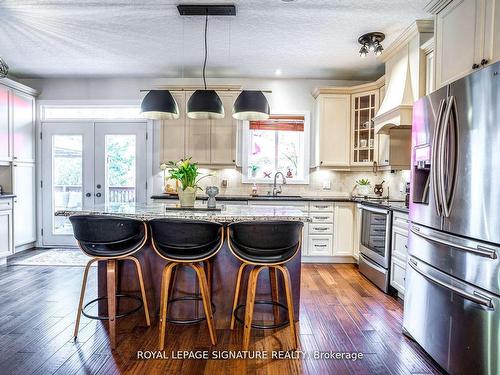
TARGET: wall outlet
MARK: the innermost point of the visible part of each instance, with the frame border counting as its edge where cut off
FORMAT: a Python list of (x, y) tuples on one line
[(224, 184), (327, 185)]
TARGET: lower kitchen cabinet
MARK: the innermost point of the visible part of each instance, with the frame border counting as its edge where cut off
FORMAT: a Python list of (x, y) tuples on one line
[(344, 225), (320, 245), (6, 232), (24, 204), (399, 255)]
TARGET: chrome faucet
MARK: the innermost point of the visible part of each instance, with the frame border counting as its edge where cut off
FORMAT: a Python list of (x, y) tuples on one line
[(277, 188)]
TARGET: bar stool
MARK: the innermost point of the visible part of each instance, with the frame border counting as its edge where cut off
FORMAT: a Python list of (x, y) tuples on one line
[(110, 239), (186, 242), (264, 244)]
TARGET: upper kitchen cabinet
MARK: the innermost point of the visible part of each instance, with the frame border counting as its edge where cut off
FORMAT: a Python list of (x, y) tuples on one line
[(223, 133), (17, 122), (198, 138), (333, 113), (172, 132), (23, 126), (364, 141), (467, 37)]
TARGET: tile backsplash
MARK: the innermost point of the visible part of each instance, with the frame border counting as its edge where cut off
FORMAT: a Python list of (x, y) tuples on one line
[(341, 183)]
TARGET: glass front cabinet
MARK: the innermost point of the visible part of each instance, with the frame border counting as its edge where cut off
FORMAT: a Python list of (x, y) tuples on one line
[(364, 141)]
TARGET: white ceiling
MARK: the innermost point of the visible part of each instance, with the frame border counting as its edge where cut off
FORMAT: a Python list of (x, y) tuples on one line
[(148, 38)]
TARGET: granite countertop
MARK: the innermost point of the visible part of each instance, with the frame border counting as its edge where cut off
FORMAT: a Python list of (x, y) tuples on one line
[(228, 214), (7, 195)]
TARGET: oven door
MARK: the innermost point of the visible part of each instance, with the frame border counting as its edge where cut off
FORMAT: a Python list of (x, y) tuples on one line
[(376, 234)]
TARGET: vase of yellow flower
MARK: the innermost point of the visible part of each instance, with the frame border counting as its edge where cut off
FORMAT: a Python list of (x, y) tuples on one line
[(186, 173)]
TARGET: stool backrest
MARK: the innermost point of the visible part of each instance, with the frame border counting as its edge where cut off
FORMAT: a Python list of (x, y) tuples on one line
[(186, 240), (108, 236), (277, 241)]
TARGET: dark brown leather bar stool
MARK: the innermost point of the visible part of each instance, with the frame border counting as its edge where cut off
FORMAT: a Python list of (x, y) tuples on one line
[(190, 243), (110, 239), (264, 244)]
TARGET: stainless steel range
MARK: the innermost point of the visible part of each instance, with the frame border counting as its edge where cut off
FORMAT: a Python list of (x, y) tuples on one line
[(452, 289), (375, 246)]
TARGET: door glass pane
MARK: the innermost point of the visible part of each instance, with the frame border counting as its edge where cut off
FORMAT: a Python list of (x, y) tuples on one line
[(67, 178), (120, 168)]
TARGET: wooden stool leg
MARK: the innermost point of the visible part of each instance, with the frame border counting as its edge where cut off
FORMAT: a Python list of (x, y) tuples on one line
[(273, 278), (289, 301), (251, 290), (143, 290), (207, 304), (82, 296), (164, 293), (208, 271), (237, 292), (111, 287)]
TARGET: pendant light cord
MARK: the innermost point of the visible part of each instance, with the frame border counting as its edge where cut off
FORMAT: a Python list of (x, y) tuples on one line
[(206, 51)]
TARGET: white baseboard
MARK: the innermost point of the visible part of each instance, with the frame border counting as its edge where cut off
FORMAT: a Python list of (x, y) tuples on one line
[(328, 259), (24, 247)]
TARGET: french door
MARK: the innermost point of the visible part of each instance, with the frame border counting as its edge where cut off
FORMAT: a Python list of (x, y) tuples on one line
[(89, 164)]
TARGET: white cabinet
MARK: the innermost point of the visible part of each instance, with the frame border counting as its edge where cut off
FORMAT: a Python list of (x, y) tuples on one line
[(333, 129), (22, 106), (344, 224), (172, 132), (400, 226), (5, 129), (6, 233), (467, 37), (24, 203), (223, 134), (357, 230), (320, 245)]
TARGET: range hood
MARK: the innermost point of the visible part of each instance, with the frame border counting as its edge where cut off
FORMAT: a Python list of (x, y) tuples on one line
[(397, 107), (404, 77)]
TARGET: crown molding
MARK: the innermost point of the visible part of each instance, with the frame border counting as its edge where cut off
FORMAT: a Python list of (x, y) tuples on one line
[(419, 26), (350, 89), (428, 46), (19, 86), (436, 6)]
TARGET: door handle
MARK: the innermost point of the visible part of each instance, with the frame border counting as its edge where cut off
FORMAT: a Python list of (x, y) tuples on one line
[(98, 195), (434, 158), (88, 195), (474, 296)]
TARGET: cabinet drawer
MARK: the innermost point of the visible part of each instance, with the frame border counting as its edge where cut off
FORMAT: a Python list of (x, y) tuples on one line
[(400, 243), (321, 217), (320, 245), (5, 204), (400, 219), (303, 206), (321, 207), (320, 228), (398, 274)]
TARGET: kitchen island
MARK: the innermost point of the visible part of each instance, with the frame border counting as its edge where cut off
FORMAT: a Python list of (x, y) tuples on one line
[(224, 264)]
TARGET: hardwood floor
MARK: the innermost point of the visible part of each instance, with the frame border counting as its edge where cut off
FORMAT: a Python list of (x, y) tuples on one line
[(340, 311)]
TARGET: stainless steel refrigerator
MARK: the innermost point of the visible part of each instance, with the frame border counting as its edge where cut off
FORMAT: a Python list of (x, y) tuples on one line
[(452, 287)]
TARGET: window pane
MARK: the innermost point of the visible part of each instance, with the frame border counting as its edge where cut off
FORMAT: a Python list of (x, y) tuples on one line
[(290, 154), (120, 168), (67, 178), (262, 154)]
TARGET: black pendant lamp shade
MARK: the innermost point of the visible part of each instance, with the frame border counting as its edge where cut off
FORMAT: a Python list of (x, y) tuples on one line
[(205, 104), (159, 105), (251, 105)]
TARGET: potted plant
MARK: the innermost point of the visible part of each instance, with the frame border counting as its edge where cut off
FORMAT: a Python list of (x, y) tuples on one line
[(363, 186), (186, 173), (253, 170)]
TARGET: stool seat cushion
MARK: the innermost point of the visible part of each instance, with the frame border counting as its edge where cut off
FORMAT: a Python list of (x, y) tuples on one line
[(185, 240), (108, 236), (265, 242)]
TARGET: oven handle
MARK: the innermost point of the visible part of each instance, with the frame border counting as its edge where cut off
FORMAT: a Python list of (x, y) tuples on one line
[(481, 251), (375, 209), (475, 297), (372, 264)]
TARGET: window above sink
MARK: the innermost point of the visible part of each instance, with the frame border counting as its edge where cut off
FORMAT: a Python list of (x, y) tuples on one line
[(279, 144)]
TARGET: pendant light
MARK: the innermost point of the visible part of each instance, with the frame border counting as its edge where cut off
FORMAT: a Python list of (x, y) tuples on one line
[(205, 104), (251, 105), (4, 68), (159, 105)]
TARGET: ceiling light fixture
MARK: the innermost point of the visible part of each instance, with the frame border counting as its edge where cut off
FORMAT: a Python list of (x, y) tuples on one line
[(159, 105), (371, 42), (205, 104), (4, 68), (251, 106)]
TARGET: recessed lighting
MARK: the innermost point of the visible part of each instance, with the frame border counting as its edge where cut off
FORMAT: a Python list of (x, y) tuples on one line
[(277, 72)]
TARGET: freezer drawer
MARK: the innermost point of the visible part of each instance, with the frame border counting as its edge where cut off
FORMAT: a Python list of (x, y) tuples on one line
[(455, 322), (471, 261)]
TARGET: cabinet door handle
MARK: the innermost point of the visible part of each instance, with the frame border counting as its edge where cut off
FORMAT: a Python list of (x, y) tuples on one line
[(319, 245), (475, 66), (484, 62)]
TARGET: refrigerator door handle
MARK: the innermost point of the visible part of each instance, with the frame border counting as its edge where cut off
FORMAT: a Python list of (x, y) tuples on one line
[(435, 168), (475, 296), (479, 250), (445, 177)]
